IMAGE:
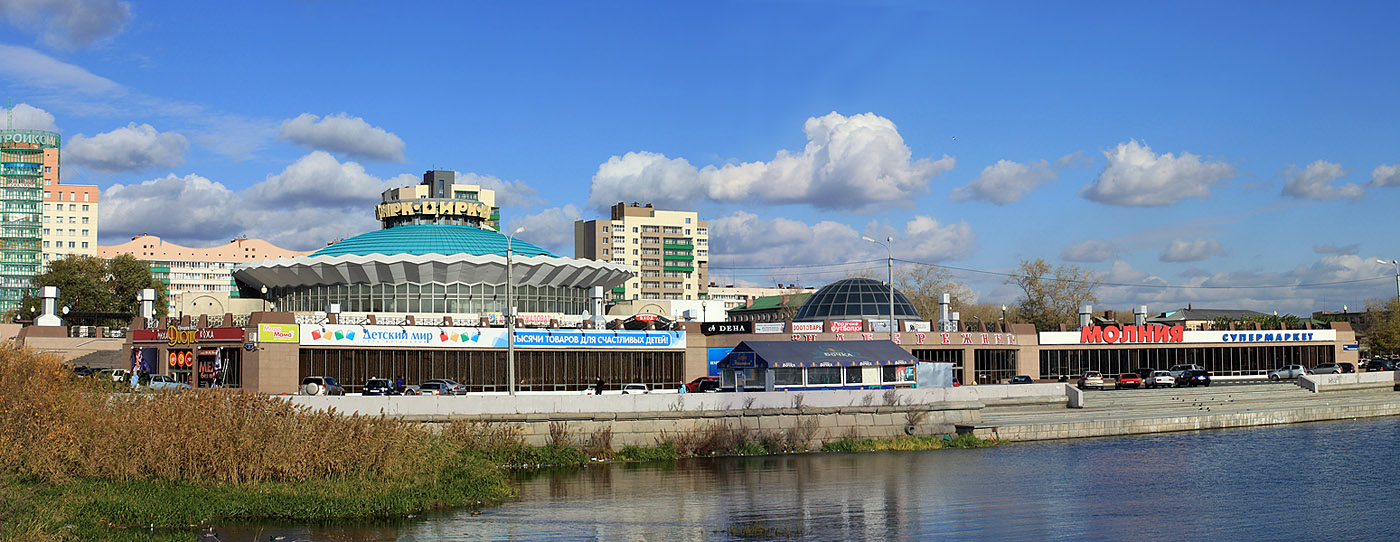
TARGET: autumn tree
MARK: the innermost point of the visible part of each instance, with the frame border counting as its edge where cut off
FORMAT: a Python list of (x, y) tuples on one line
[(1383, 317), (93, 285), (1051, 295)]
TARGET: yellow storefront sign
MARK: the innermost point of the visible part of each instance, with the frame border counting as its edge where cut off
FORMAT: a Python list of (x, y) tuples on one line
[(277, 333)]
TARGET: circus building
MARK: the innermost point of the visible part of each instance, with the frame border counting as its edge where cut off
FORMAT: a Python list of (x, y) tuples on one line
[(426, 297)]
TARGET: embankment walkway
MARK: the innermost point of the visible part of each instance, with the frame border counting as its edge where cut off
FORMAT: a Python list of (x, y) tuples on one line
[(1130, 412)]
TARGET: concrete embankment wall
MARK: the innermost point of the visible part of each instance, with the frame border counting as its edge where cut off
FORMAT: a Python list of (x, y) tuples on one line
[(1350, 382), (648, 419), (1117, 427)]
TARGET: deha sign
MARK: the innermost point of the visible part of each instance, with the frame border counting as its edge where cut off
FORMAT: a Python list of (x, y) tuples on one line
[(1131, 334)]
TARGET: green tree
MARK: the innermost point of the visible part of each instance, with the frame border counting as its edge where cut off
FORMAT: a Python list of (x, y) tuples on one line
[(1051, 295), (93, 285), (1384, 329)]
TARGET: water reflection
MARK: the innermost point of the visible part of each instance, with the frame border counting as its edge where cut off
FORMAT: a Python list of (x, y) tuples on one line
[(1302, 481)]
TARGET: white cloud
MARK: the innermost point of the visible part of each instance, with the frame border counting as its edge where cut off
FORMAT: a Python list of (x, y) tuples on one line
[(1191, 251), (744, 238), (67, 24), (927, 241), (130, 148), (1089, 251), (1315, 182), (189, 207), (1006, 181), (851, 162), (319, 180), (1135, 176), (1331, 248), (36, 69), (28, 117), (343, 134), (1386, 175), (513, 194), (551, 229)]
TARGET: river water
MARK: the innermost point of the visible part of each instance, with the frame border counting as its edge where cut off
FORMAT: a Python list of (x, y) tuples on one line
[(1321, 481)]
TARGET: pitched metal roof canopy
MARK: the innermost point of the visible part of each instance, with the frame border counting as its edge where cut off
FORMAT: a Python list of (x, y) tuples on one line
[(543, 270), (822, 353)]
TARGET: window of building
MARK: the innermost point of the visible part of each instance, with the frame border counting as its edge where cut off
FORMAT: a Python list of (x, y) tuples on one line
[(85, 235), (46, 230), (48, 169), (60, 196), (84, 244), (85, 220), (58, 206), (72, 244), (46, 245), (634, 229), (46, 218), (687, 220), (72, 232), (605, 229), (85, 208), (47, 194), (687, 286), (634, 263), (634, 252), (46, 183), (85, 198), (605, 252)]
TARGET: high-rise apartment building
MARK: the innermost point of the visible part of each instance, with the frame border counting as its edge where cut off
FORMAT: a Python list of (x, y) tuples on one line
[(70, 220), (668, 250), (28, 160)]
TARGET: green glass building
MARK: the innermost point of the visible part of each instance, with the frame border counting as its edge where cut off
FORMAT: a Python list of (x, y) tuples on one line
[(27, 157)]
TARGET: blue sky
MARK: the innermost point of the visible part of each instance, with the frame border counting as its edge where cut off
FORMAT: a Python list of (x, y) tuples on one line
[(1188, 152)]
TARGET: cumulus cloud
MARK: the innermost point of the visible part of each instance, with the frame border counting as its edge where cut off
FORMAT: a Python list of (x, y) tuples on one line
[(130, 148), (1315, 182), (182, 207), (1136, 176), (851, 162), (551, 229), (1006, 181), (1191, 251), (67, 24), (28, 117), (343, 134), (513, 194), (1386, 175), (319, 180), (1330, 248), (1089, 251), (745, 237)]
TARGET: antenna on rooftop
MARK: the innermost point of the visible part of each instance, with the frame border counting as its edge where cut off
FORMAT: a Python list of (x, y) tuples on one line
[(10, 114)]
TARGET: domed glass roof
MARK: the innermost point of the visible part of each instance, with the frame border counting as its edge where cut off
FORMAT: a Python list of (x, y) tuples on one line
[(430, 239), (855, 299)]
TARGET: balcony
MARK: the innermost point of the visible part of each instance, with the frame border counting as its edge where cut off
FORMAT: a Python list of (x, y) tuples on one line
[(686, 257), (687, 269), (678, 247)]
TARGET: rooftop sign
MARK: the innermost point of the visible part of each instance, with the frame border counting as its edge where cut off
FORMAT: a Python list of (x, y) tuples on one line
[(432, 207), (31, 137), (1130, 335)]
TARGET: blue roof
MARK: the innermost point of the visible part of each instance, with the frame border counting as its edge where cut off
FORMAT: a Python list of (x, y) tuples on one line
[(430, 239)]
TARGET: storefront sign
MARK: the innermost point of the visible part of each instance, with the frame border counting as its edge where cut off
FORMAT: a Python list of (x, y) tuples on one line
[(879, 326), (1175, 335), (527, 318), (471, 337), (432, 207), (845, 326), (277, 333), (174, 336), (807, 327), (645, 317), (917, 326), (769, 327), (726, 328), (1351, 347)]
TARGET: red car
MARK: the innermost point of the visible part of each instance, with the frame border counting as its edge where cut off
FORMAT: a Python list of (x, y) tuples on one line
[(703, 384), (1128, 380)]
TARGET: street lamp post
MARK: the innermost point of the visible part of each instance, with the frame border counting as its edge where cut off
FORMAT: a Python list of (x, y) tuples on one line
[(1397, 276), (888, 249), (510, 315)]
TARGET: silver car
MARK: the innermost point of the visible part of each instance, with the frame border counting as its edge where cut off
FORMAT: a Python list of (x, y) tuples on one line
[(1326, 369), (1289, 372), (1159, 378)]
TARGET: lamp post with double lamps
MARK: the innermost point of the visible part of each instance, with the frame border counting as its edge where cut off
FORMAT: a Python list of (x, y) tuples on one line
[(888, 249), (1397, 276), (510, 315)]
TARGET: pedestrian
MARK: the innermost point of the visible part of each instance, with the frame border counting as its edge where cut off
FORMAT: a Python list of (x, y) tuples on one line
[(398, 383), (598, 386)]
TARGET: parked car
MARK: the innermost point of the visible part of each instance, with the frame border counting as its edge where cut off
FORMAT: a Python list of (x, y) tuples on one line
[(1287, 372), (1379, 365), (702, 384), (159, 382), (1176, 370), (635, 389), (1128, 380), (83, 371), (1193, 378), (321, 385), (1347, 367), (1022, 379), (1091, 379), (379, 386), (1326, 369), (450, 387), (1159, 378), (433, 388), (1144, 372)]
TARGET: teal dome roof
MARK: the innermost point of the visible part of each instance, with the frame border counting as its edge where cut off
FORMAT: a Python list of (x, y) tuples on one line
[(430, 239)]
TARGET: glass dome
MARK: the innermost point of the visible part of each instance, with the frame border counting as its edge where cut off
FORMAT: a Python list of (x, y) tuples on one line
[(855, 299)]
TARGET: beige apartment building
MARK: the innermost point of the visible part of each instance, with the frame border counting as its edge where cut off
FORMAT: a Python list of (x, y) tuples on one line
[(668, 250), (742, 296), (70, 220), (200, 280)]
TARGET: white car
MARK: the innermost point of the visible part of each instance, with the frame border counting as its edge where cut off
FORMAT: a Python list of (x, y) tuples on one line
[(1176, 370), (1289, 372), (635, 388), (1159, 378), (1091, 379)]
